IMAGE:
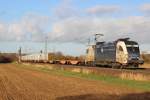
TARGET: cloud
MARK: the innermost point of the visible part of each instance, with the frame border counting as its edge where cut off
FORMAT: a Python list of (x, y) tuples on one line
[(34, 27), (72, 28), (102, 10), (31, 27), (145, 8), (78, 29), (65, 9)]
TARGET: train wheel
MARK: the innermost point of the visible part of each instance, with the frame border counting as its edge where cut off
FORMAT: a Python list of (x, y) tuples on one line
[(90, 64), (136, 65), (116, 66), (123, 67)]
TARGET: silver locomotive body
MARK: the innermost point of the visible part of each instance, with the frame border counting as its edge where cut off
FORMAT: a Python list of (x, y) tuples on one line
[(121, 52)]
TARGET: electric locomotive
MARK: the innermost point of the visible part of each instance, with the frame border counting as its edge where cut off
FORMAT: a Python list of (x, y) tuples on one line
[(119, 53)]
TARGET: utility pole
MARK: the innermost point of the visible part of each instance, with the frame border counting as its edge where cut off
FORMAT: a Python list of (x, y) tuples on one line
[(19, 55), (46, 54)]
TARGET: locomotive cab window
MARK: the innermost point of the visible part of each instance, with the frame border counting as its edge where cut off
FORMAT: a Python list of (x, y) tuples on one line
[(134, 49)]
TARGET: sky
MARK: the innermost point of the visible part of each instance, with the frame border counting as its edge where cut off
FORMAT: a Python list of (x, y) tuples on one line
[(68, 24)]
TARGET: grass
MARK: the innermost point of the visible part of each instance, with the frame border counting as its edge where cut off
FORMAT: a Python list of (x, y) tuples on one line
[(117, 81), (133, 76)]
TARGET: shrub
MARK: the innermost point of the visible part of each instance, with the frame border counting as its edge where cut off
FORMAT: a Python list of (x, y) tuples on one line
[(7, 57)]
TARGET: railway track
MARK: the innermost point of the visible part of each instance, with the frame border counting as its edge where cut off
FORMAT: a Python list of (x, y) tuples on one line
[(98, 70), (111, 70)]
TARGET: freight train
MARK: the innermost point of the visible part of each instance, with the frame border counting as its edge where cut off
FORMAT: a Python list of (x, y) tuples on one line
[(117, 54)]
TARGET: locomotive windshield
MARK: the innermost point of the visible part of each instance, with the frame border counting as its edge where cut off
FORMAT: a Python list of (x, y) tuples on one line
[(132, 48)]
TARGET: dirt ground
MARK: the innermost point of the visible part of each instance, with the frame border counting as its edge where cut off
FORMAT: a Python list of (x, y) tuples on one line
[(17, 83)]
